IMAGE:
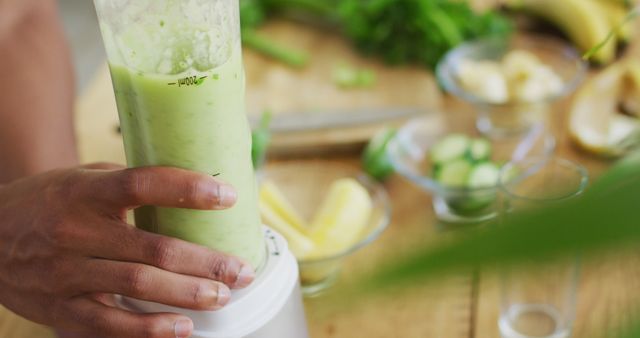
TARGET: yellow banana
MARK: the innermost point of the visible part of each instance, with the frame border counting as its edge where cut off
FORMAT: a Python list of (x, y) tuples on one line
[(622, 3), (342, 217), (616, 13), (581, 20), (299, 244), (275, 199)]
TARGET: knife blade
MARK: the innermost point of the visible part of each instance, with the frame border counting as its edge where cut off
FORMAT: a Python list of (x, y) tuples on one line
[(330, 119)]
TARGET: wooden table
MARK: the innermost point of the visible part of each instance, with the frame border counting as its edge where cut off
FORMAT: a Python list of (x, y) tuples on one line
[(464, 306)]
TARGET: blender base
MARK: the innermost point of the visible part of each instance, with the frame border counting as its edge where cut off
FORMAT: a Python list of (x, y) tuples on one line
[(271, 307)]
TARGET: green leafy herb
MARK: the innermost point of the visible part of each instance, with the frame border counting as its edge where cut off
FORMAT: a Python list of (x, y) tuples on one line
[(398, 31)]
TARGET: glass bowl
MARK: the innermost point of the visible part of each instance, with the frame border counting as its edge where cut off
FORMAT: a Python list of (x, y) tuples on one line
[(305, 184), (511, 118), (409, 155)]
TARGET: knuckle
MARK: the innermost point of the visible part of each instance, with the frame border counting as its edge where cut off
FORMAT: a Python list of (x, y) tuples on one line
[(134, 183), (199, 296), (195, 187), (64, 185), (137, 280), (60, 282), (92, 319), (151, 329), (218, 267), (60, 234), (163, 253), (59, 312)]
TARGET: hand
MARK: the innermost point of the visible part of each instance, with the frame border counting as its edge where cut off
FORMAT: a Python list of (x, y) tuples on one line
[(65, 247)]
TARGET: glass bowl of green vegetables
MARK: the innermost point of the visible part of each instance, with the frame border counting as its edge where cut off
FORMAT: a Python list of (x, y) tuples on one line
[(460, 169)]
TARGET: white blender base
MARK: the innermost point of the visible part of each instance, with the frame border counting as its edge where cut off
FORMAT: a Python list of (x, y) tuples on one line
[(271, 307)]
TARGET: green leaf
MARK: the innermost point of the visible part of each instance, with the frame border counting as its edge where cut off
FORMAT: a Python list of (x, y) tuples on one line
[(634, 329), (606, 217), (252, 13)]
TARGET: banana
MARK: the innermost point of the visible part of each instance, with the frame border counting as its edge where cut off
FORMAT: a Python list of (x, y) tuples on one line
[(274, 198), (581, 20), (616, 13), (299, 244), (627, 4), (341, 218)]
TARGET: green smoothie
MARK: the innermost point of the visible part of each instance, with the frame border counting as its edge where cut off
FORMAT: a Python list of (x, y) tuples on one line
[(194, 120)]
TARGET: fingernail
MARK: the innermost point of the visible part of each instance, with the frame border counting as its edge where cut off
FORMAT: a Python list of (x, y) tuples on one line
[(227, 195), (245, 277), (224, 295), (183, 328)]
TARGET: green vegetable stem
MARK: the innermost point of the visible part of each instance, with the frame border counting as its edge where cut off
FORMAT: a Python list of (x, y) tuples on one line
[(253, 14), (261, 138), (266, 46), (375, 159)]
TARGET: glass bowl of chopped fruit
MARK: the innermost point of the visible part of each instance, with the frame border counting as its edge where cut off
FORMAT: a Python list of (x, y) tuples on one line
[(327, 211), (458, 168), (511, 83)]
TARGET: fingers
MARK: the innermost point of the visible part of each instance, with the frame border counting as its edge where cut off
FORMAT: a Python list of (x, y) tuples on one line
[(110, 322), (163, 187), (126, 243), (155, 285)]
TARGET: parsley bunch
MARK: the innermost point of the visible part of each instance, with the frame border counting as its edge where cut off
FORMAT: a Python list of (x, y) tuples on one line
[(398, 31)]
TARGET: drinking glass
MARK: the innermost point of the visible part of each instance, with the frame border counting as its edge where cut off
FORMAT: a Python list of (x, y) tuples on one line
[(540, 301)]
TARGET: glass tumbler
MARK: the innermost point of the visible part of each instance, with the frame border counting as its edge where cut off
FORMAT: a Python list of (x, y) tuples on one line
[(539, 301)]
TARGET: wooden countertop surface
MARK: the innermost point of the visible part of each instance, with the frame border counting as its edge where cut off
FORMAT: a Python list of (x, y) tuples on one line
[(464, 306)]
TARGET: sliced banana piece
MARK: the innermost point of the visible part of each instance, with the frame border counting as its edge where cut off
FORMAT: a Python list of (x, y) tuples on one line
[(342, 217), (299, 244), (271, 195)]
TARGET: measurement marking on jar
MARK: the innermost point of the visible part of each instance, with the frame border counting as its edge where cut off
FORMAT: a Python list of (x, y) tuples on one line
[(189, 81), (276, 252)]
